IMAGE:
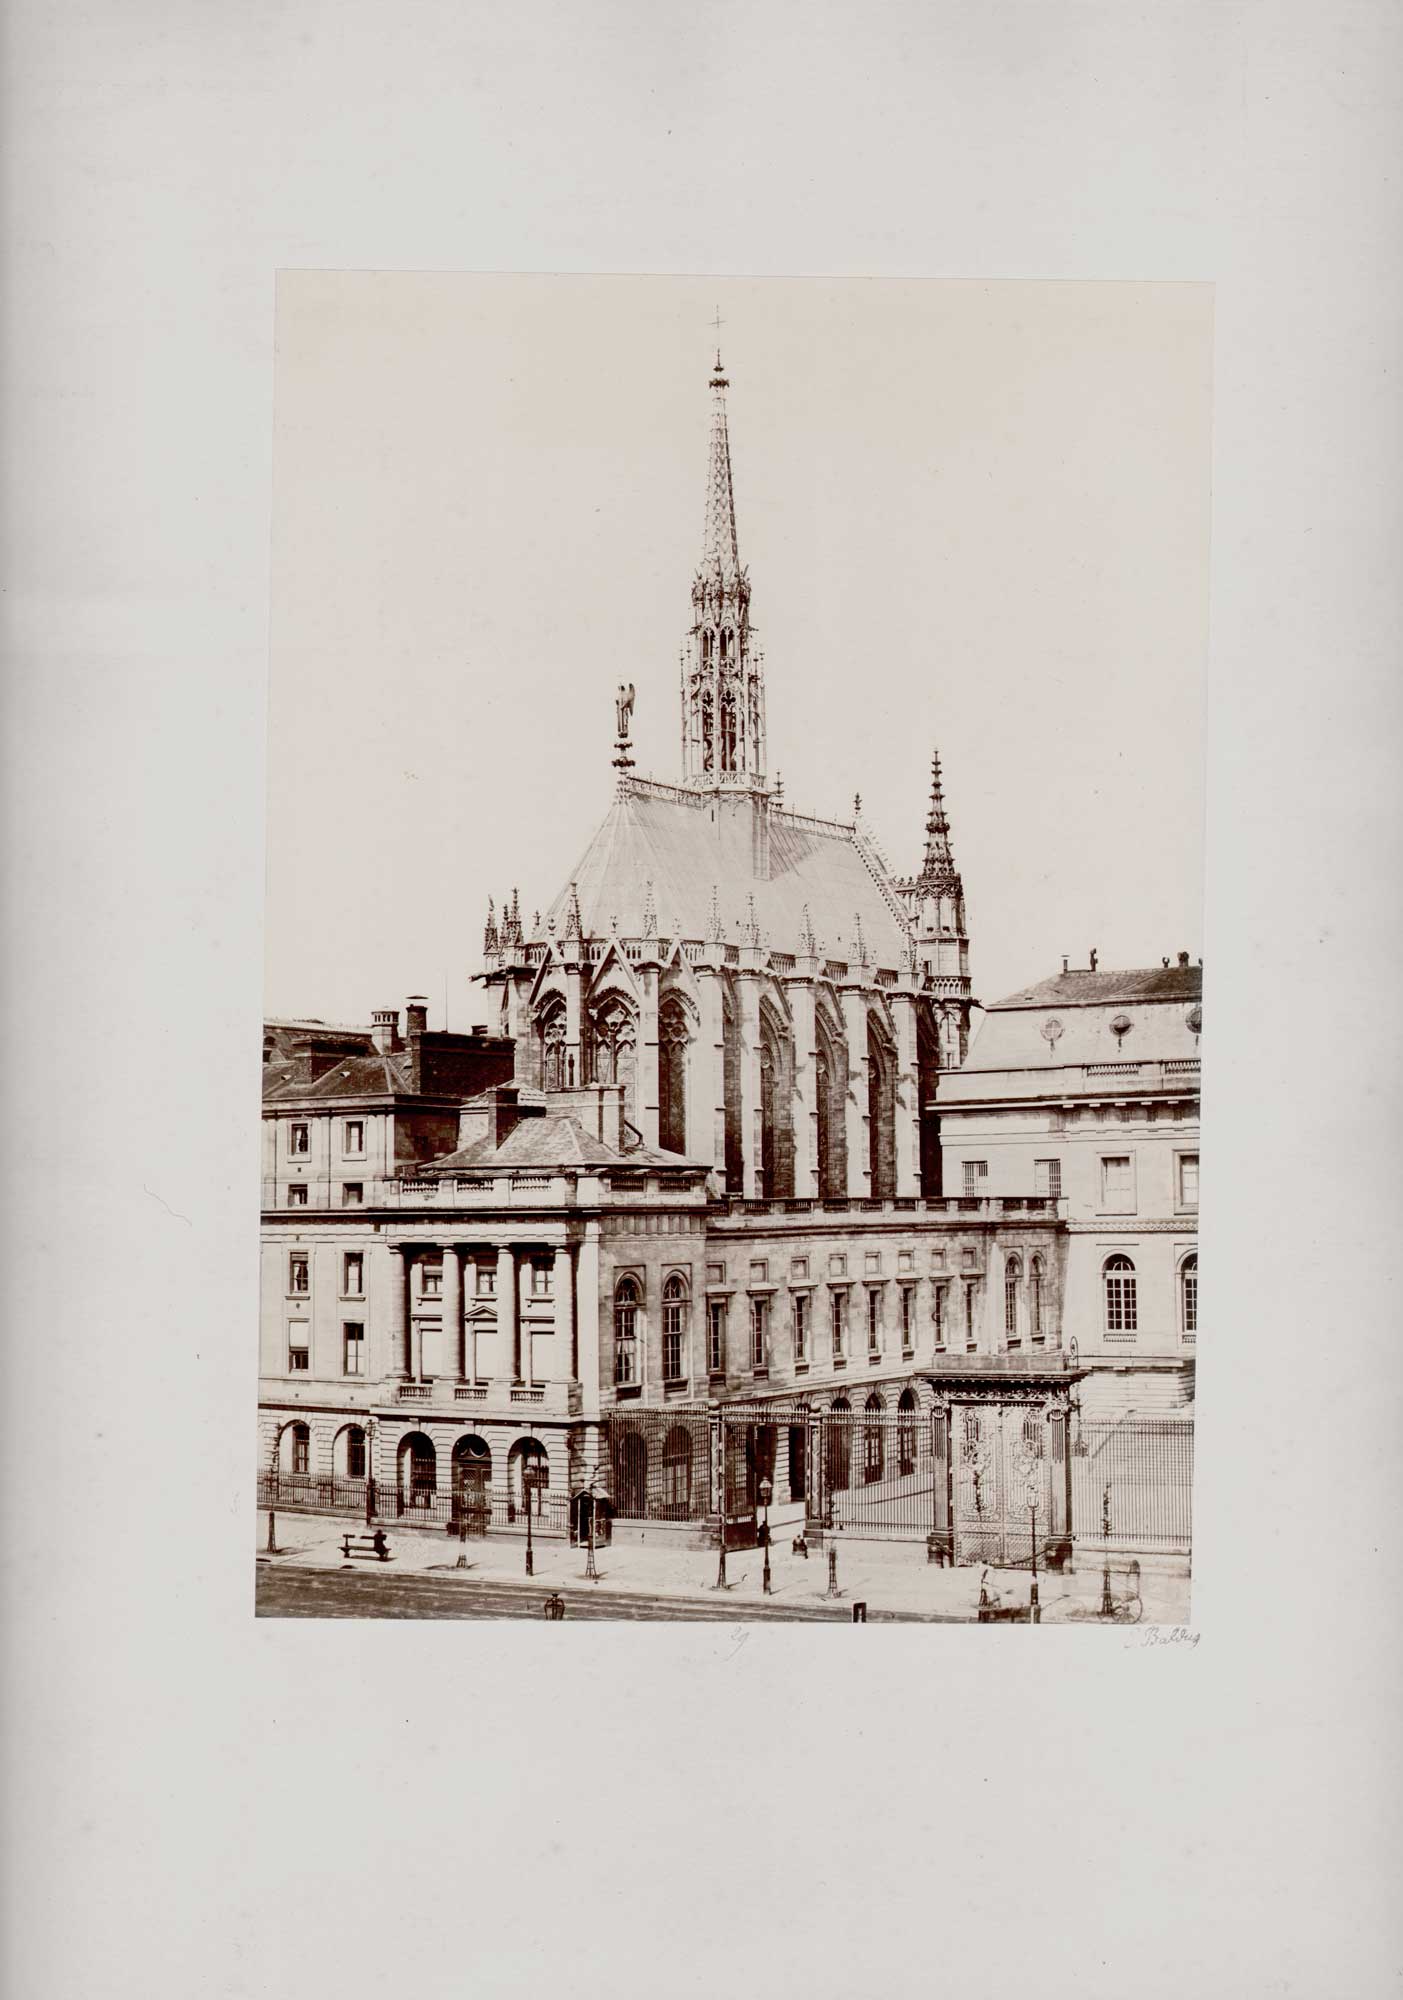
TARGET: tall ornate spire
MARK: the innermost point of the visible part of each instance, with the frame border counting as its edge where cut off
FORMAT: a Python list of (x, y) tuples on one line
[(939, 870), (723, 689), (720, 552)]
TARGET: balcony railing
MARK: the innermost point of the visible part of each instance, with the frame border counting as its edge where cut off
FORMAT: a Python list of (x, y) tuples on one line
[(1049, 1207), (551, 1399)]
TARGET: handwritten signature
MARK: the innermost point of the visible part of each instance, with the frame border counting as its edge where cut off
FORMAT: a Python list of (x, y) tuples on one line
[(1166, 1635)]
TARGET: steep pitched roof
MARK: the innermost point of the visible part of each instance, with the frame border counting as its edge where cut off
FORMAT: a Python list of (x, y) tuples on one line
[(687, 847), (555, 1140), (1106, 989), (352, 1076)]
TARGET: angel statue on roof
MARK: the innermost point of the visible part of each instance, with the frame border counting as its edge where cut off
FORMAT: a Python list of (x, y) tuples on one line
[(623, 708)]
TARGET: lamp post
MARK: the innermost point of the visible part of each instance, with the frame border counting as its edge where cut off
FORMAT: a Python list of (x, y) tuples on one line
[(533, 1476), (766, 1489), (591, 1573), (369, 1472), (1034, 1611), (272, 1548)]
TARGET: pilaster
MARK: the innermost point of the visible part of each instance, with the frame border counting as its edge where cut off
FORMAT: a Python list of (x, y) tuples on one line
[(748, 1024), (454, 1359), (401, 1365), (800, 994), (710, 1055), (855, 1112), (508, 1309), (648, 1063), (908, 1096)]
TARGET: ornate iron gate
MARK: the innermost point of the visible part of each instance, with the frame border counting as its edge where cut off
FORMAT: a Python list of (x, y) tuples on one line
[(1003, 1481)]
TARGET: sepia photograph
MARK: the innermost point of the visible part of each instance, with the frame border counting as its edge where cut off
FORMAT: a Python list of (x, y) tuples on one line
[(730, 1106)]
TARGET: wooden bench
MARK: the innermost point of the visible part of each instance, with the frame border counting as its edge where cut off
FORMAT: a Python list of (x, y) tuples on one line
[(374, 1548)]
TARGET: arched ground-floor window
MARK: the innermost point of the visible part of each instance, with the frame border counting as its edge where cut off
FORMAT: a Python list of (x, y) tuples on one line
[(418, 1470)]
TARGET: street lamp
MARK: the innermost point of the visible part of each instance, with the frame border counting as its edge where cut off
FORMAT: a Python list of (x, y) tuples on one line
[(369, 1472), (591, 1573), (1031, 1494), (534, 1474), (766, 1489)]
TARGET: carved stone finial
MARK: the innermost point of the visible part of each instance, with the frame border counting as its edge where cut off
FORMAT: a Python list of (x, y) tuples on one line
[(574, 924), (650, 913), (713, 923), (807, 940), (490, 941)]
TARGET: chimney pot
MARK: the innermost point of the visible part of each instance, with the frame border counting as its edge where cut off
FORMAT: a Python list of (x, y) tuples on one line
[(1183, 958), (479, 1027), (416, 1014), (1093, 961), (1064, 961)]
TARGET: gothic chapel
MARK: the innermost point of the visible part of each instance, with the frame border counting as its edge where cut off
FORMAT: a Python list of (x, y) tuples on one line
[(772, 999)]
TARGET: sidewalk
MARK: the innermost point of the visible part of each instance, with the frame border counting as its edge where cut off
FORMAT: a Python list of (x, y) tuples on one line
[(892, 1578)]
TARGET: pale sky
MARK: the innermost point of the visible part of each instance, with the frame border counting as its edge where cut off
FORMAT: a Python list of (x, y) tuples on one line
[(973, 514)]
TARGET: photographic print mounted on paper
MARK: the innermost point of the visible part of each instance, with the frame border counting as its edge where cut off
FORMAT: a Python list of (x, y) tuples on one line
[(731, 1109)]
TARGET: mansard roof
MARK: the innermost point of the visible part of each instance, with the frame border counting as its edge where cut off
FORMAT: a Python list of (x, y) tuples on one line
[(688, 845), (1108, 989)]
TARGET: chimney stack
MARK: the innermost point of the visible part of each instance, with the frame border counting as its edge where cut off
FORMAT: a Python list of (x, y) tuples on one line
[(384, 1029), (1064, 961), (1183, 958), (1093, 961), (416, 1014)]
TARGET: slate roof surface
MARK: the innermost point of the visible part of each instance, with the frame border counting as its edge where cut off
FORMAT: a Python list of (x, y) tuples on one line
[(686, 849), (350, 1076), (557, 1140), (1105, 989)]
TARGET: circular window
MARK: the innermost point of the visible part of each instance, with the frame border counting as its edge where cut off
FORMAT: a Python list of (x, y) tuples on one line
[(1121, 1025), (1194, 1018), (1051, 1029)]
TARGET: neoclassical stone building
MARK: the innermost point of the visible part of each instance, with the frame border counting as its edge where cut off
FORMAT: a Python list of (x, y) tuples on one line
[(771, 997)]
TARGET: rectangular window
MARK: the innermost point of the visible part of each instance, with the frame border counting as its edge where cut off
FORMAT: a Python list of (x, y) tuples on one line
[(908, 1317), (431, 1280), (1188, 1180), (355, 1453), (840, 1323), (299, 1277), (1047, 1178), (672, 1344), (1117, 1184), (969, 1316), (976, 1173), (801, 1326), (297, 1195), (352, 1194), (874, 1321), (353, 1347), (938, 1314), (354, 1137), (486, 1284), (1190, 1283), (716, 1336), (298, 1358), (301, 1451), (353, 1275), (299, 1139), (540, 1277), (759, 1325)]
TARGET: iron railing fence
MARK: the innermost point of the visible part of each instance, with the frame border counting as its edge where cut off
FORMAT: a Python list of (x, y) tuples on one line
[(481, 1508), (876, 1477), (1132, 1483), (660, 1465)]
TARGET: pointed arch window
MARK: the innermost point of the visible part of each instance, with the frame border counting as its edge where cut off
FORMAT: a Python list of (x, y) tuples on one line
[(1118, 1274), (552, 1039), (673, 1038)]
